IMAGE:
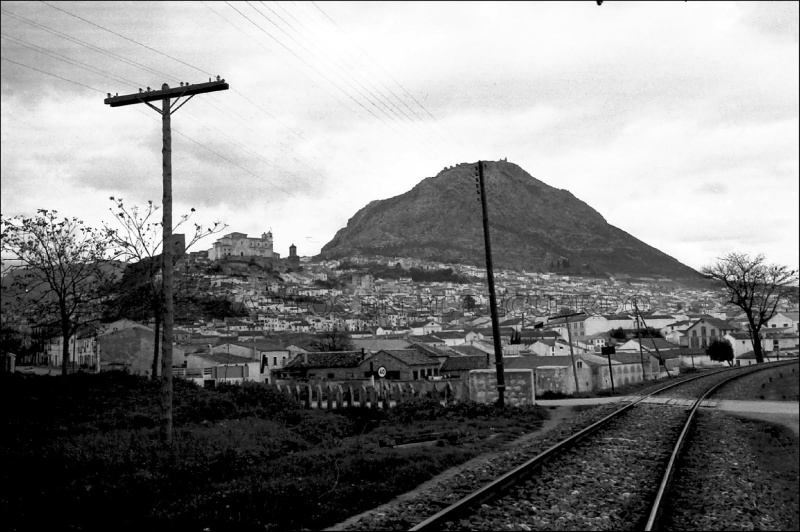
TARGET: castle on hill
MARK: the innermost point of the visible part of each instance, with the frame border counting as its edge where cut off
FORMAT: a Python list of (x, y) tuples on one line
[(239, 246)]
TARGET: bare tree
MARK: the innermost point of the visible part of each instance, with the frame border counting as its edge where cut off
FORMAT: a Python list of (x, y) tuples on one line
[(333, 340), (140, 241), (55, 271), (755, 287)]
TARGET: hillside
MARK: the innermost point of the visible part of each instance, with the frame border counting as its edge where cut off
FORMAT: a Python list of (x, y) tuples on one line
[(534, 227)]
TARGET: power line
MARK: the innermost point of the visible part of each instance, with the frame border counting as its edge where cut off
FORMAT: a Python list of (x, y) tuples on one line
[(385, 101), (220, 155), (89, 67), (438, 134), (115, 78), (54, 75), (304, 62), (344, 69), (153, 118), (256, 105), (228, 111), (368, 56), (237, 143), (74, 62), (315, 69), (129, 39), (86, 44), (323, 88)]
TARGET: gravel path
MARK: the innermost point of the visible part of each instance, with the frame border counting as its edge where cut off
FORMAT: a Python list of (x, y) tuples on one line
[(735, 474)]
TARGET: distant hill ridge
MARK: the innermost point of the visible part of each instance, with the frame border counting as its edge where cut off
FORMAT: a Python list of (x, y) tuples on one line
[(534, 227)]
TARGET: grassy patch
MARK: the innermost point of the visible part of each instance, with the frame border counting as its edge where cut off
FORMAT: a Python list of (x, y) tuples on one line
[(86, 448)]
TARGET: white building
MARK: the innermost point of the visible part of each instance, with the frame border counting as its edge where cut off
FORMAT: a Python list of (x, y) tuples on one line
[(239, 245)]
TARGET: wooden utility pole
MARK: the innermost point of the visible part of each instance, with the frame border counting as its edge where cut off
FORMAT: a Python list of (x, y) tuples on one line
[(650, 335), (608, 351), (166, 95), (571, 351), (498, 349)]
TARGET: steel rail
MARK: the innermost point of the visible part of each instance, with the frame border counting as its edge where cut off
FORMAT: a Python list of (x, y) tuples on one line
[(657, 509), (500, 484)]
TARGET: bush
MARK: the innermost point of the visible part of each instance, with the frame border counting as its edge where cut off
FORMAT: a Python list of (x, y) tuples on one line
[(325, 429), (254, 398), (417, 409)]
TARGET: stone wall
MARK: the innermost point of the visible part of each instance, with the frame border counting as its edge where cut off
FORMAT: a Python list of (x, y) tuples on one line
[(559, 379), (520, 387)]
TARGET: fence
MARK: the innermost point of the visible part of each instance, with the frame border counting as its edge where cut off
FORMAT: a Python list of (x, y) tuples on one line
[(383, 394)]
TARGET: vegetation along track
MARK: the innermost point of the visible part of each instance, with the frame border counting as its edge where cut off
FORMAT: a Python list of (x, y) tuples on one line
[(611, 475)]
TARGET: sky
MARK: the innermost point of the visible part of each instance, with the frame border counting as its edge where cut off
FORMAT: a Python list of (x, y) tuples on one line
[(676, 121)]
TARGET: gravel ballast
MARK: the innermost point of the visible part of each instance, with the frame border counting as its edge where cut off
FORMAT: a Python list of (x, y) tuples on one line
[(777, 384), (735, 474), (606, 482), (404, 512), (554, 498)]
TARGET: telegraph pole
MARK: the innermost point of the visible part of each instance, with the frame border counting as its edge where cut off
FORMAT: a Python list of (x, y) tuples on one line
[(571, 351), (166, 95), (498, 350)]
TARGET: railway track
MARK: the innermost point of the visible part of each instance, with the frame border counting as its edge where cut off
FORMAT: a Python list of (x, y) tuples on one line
[(612, 475)]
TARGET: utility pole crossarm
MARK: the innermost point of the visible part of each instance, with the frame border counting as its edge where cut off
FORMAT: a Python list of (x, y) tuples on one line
[(176, 92), (165, 95)]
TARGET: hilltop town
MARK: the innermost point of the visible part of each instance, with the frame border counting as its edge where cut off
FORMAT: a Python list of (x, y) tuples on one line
[(430, 320)]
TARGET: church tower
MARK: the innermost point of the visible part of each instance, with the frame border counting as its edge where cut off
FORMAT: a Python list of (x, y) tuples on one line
[(293, 259)]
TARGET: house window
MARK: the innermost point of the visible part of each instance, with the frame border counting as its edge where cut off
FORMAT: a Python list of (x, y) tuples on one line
[(713, 332), (580, 364), (415, 374), (702, 331), (330, 375), (274, 361)]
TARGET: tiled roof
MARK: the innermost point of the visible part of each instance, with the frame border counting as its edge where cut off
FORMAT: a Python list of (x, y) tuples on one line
[(467, 350), (428, 338), (631, 358), (462, 363), (224, 358), (376, 344), (651, 343), (535, 361), (538, 333), (411, 357), (719, 324), (261, 346), (450, 335), (571, 319), (326, 359), (488, 331)]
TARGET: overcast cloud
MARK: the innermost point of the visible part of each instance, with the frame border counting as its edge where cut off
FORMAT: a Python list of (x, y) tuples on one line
[(677, 121)]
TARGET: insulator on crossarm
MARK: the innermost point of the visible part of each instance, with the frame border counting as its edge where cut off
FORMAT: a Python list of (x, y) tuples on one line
[(140, 89), (109, 95), (218, 78), (148, 89)]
